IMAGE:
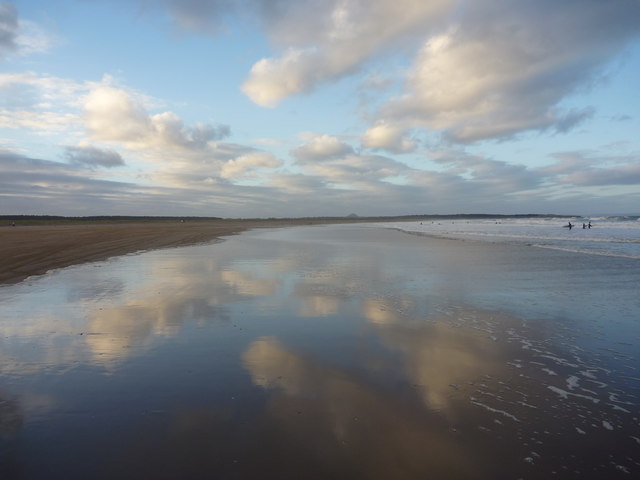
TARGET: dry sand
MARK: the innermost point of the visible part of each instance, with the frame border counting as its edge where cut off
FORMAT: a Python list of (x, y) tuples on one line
[(36, 249)]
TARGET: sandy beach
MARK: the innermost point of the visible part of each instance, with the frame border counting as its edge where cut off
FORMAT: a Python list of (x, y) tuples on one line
[(328, 351), (35, 249)]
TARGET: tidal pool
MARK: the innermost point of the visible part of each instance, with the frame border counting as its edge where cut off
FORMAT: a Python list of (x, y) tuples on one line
[(346, 351)]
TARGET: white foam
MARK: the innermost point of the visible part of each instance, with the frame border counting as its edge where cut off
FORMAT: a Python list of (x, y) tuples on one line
[(607, 425), (589, 391), (560, 361), (613, 397), (494, 410), (565, 395), (599, 384), (622, 468), (615, 237), (572, 382), (616, 407)]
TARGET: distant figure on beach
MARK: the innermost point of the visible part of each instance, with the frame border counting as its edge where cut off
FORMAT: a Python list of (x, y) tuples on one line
[(570, 226), (584, 225), (589, 224)]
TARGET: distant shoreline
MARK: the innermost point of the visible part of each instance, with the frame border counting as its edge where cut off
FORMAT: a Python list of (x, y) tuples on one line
[(60, 220)]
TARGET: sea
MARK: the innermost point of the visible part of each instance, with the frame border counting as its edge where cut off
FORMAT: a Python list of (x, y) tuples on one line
[(458, 349), (615, 236)]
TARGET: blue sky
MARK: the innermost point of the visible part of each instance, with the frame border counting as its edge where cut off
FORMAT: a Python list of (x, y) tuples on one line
[(256, 108)]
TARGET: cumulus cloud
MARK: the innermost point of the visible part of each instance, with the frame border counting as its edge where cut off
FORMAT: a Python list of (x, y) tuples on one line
[(320, 148), (114, 114), (388, 137), (502, 70), (111, 114), (334, 41), (93, 156), (486, 69), (245, 165), (272, 80)]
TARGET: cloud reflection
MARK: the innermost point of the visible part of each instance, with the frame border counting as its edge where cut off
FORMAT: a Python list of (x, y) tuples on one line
[(438, 356), (102, 316), (379, 433)]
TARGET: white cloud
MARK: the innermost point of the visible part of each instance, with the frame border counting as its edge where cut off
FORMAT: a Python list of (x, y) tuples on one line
[(41, 121), (113, 114), (504, 69), (388, 137), (478, 70), (183, 156), (243, 166), (320, 148), (42, 103), (40, 91), (272, 80), (486, 69), (334, 41)]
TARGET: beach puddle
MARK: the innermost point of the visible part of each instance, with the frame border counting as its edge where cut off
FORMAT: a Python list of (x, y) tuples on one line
[(320, 352)]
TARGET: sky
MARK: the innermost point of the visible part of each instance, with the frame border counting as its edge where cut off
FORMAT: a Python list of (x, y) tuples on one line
[(296, 108)]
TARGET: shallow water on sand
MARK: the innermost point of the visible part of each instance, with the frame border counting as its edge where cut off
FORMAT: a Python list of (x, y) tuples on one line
[(324, 352)]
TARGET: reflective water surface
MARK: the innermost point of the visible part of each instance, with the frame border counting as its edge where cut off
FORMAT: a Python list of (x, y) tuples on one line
[(324, 352)]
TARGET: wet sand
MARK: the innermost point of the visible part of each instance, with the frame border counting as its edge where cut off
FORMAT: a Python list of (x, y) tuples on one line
[(35, 249)]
